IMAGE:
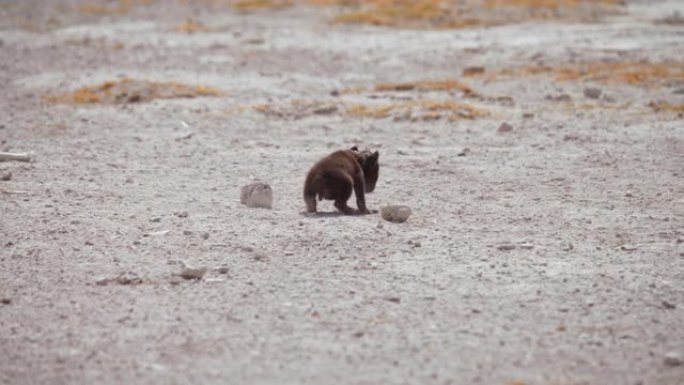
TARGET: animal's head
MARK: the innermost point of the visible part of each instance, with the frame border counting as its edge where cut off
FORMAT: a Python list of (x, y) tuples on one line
[(370, 166)]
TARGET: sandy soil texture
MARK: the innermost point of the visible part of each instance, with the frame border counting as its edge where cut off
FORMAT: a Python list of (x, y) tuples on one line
[(543, 161)]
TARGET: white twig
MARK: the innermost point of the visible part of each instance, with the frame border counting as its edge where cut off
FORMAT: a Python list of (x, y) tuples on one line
[(20, 157)]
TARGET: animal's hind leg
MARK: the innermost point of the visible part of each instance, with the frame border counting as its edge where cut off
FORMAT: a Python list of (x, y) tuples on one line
[(343, 188)]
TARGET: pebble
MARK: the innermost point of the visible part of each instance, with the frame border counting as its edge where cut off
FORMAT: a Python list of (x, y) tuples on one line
[(505, 127), (505, 247), (6, 176), (223, 270), (395, 213), (257, 195), (5, 301), (673, 359), (464, 152), (193, 272), (182, 214), (669, 305), (592, 93)]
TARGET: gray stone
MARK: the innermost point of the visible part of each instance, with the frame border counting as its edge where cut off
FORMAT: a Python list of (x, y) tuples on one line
[(396, 213), (257, 195)]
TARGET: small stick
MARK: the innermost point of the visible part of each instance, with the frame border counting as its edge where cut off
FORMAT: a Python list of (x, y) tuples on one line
[(20, 157)]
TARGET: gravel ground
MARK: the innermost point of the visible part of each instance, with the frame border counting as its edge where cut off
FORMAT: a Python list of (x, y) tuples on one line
[(546, 251)]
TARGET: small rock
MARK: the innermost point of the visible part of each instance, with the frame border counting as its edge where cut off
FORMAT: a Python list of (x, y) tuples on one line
[(673, 359), (414, 243), (193, 272), (393, 299), (257, 195), (182, 214), (358, 335), (628, 247), (335, 93), (505, 247), (592, 93), (464, 152), (325, 110), (396, 213), (527, 115), (155, 219), (669, 305), (5, 301), (526, 246), (380, 225), (679, 91), (505, 127), (568, 246), (6, 176), (205, 236), (223, 270), (559, 98)]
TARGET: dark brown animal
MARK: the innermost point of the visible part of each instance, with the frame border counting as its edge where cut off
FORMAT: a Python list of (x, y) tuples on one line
[(335, 176)]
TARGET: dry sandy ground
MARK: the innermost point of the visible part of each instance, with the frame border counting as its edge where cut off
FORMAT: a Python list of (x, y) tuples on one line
[(549, 254)]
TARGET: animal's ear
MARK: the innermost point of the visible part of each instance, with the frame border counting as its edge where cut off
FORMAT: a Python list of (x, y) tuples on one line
[(354, 149), (373, 158)]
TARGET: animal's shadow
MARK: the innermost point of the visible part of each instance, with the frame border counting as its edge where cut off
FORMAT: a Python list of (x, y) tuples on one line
[(332, 214)]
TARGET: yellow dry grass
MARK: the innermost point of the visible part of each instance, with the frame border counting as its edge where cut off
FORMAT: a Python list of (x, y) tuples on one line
[(465, 13), (662, 106), (132, 91), (633, 73), (248, 5), (447, 84), (424, 109), (118, 7), (191, 25)]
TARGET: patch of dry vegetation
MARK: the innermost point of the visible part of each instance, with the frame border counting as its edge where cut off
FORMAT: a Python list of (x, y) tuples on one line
[(191, 25), (417, 85), (466, 13), (420, 109), (132, 91), (663, 106), (119, 7), (643, 74), (248, 5)]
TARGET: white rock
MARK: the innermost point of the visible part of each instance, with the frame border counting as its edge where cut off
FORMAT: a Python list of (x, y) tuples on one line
[(257, 195), (395, 213)]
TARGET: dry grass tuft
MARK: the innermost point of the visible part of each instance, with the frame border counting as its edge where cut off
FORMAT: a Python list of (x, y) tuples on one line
[(633, 73), (466, 13), (119, 7), (132, 91), (421, 109), (249, 5), (662, 106), (191, 25)]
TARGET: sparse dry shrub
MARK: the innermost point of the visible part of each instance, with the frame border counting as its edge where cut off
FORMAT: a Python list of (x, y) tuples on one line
[(132, 91), (610, 72)]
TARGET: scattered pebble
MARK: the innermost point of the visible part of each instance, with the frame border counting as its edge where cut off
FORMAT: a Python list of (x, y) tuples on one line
[(182, 214), (6, 176), (414, 243), (257, 195), (223, 270), (526, 246), (505, 127), (5, 301), (380, 225), (325, 110), (559, 98), (121, 279), (157, 233), (193, 272), (393, 299), (155, 219), (628, 247), (396, 213), (205, 236), (669, 305), (527, 115), (673, 359), (464, 152), (592, 93), (568, 246), (505, 247)]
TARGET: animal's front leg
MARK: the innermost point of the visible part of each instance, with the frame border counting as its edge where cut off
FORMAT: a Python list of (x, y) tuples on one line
[(360, 191)]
